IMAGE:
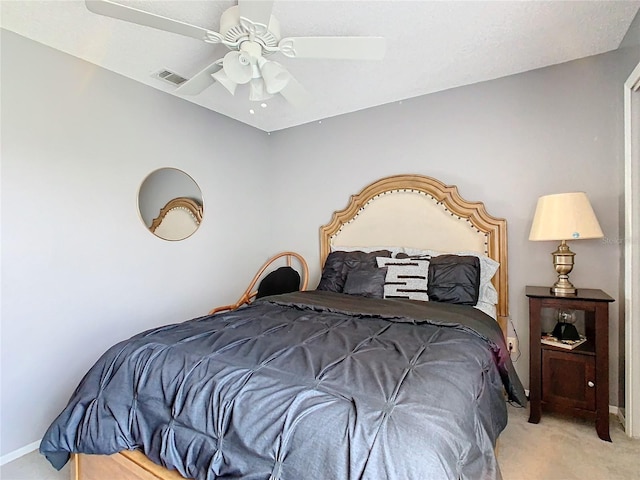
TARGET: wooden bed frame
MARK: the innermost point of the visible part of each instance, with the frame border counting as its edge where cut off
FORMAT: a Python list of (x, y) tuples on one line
[(371, 219)]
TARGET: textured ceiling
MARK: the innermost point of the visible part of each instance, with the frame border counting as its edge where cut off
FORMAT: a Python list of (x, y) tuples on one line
[(431, 46)]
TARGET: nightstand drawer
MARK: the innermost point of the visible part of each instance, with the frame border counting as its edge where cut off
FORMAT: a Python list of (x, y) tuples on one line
[(568, 380)]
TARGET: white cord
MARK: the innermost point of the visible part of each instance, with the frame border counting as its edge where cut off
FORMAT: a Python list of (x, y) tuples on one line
[(515, 334)]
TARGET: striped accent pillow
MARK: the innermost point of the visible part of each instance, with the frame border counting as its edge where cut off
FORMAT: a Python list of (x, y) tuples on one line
[(406, 277)]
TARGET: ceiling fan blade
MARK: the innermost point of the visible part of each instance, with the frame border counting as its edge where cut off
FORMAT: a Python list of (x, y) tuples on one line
[(295, 93), (258, 11), (347, 48), (200, 80), (147, 19)]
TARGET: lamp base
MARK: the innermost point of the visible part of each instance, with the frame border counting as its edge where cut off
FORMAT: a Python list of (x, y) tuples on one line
[(563, 287), (565, 331), (563, 263)]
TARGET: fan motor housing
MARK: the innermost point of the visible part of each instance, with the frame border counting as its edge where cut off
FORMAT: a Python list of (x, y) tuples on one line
[(234, 29)]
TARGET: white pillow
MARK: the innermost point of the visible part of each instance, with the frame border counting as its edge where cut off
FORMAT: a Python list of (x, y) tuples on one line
[(406, 278), (488, 308)]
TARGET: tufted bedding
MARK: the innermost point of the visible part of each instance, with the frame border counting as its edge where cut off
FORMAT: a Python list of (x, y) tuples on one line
[(307, 385)]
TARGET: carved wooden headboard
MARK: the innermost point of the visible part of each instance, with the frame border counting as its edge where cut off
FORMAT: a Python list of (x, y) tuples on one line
[(421, 212)]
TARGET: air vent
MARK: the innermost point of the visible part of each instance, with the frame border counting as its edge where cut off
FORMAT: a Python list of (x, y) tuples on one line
[(171, 77)]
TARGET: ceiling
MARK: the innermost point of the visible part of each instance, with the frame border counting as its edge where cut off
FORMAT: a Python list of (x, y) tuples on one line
[(430, 46)]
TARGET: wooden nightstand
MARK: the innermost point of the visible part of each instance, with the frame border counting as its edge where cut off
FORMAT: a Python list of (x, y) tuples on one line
[(573, 382)]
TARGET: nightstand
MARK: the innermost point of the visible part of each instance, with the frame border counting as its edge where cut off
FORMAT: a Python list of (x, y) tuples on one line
[(573, 382)]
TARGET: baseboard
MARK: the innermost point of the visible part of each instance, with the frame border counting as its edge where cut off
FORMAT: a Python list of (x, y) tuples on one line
[(621, 417), (11, 456)]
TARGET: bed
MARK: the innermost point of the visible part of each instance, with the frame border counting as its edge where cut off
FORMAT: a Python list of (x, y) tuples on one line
[(349, 380)]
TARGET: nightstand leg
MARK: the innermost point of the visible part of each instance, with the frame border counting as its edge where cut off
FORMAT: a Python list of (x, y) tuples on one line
[(534, 413), (535, 359), (602, 426), (602, 371)]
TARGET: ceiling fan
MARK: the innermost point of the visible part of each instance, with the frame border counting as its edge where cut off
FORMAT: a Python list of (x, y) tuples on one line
[(252, 35)]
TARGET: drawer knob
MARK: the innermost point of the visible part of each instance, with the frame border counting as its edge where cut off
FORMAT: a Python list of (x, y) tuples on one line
[(591, 384)]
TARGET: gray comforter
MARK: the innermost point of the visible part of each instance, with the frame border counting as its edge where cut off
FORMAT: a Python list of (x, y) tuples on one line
[(309, 385)]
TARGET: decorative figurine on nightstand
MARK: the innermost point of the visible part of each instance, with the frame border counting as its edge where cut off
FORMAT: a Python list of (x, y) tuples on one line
[(565, 328)]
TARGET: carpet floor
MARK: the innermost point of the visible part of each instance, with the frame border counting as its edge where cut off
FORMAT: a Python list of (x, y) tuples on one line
[(555, 449), (559, 448)]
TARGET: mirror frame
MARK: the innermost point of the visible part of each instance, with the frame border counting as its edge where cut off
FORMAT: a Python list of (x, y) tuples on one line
[(169, 189)]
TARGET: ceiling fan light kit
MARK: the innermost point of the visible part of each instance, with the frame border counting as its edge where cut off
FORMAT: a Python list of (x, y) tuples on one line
[(221, 77), (237, 67), (251, 33), (258, 91), (274, 75)]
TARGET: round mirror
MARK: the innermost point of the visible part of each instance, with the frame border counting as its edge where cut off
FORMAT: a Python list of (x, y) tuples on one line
[(170, 204)]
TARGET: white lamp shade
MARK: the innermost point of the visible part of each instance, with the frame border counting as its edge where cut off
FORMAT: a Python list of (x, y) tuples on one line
[(236, 68), (225, 81), (564, 216), (275, 76), (257, 91)]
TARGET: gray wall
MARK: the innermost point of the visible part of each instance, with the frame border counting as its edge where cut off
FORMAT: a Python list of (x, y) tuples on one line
[(632, 38), (80, 271), (505, 142)]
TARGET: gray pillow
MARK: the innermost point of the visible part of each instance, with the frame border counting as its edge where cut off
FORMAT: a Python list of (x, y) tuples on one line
[(332, 279), (366, 282), (454, 279), (340, 263)]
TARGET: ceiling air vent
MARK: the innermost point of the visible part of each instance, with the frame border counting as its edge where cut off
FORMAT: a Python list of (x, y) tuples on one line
[(171, 77)]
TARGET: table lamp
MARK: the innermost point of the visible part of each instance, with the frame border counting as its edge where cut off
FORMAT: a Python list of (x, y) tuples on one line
[(564, 216)]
